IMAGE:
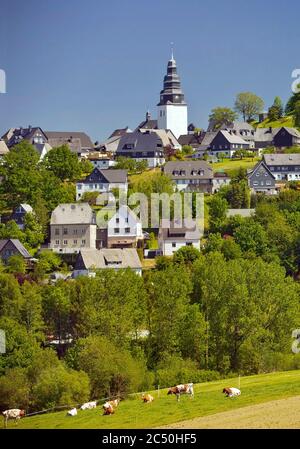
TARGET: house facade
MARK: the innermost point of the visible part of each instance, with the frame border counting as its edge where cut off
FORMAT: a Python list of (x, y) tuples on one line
[(142, 146), (20, 213), (72, 228), (102, 181), (173, 236), (90, 260), (78, 142), (13, 247), (34, 135), (227, 143), (123, 230), (261, 179), (284, 167), (190, 176)]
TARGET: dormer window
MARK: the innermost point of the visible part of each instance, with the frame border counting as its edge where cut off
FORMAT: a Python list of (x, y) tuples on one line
[(182, 172)]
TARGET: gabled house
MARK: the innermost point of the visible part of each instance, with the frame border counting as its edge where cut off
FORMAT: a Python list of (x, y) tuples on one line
[(13, 247), (72, 228), (142, 146), (90, 260), (228, 143), (286, 137), (174, 235), (284, 167), (190, 176), (122, 230), (148, 123), (102, 181), (78, 142), (20, 213), (34, 135), (261, 179)]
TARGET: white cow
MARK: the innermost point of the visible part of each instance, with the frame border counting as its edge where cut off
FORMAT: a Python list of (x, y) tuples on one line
[(89, 405), (72, 412), (13, 413)]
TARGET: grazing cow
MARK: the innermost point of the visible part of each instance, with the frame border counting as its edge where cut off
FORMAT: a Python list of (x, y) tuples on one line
[(114, 403), (72, 412), (108, 409), (13, 413), (182, 389), (147, 398), (89, 405), (231, 392)]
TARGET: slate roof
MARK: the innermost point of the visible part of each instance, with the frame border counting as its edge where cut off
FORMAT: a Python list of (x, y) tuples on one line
[(15, 135), (76, 140), (110, 258), (141, 141), (73, 213), (232, 138), (186, 168), (18, 245), (282, 159), (169, 231), (120, 132), (106, 176)]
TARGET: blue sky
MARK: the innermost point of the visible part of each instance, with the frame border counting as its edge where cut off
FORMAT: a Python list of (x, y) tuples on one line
[(98, 65)]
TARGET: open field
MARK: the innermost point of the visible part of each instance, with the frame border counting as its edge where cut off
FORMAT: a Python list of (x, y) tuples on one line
[(284, 121), (165, 410), (281, 414), (231, 166)]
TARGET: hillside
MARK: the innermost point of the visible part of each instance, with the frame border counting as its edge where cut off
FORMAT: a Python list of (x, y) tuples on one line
[(165, 410), (284, 121)]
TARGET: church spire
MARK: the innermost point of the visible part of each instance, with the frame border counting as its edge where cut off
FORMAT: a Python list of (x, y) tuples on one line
[(171, 93)]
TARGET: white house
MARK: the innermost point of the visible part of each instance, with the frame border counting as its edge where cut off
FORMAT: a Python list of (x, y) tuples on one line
[(173, 236), (102, 181)]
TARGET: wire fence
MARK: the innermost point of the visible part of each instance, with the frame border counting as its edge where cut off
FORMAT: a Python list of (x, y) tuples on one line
[(104, 399)]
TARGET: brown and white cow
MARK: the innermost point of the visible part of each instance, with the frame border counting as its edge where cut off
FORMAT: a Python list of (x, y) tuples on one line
[(231, 392), (182, 389), (147, 398), (110, 406), (13, 413)]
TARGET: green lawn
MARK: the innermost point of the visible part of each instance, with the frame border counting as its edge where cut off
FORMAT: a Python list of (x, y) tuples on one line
[(132, 413), (231, 166)]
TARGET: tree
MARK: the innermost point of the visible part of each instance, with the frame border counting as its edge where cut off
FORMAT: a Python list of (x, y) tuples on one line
[(290, 106), (112, 371), (14, 389), (296, 114), (276, 110), (16, 264), (63, 163), (186, 255), (217, 212), (21, 177), (252, 237), (221, 116), (60, 386), (31, 310), (248, 105)]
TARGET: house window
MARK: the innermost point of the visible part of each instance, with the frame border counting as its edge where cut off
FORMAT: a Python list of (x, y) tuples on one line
[(126, 219), (117, 220), (79, 186), (188, 244), (65, 242), (56, 242), (173, 245), (75, 242), (116, 230), (83, 242), (65, 231), (56, 231), (127, 230), (75, 231)]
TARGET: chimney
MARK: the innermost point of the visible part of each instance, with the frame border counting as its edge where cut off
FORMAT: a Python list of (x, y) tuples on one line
[(270, 129), (29, 128), (148, 116)]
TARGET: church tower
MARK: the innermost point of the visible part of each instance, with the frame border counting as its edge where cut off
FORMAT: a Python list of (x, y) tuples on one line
[(172, 109)]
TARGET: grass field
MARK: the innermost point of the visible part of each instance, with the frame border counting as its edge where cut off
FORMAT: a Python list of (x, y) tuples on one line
[(165, 410), (284, 121), (231, 166)]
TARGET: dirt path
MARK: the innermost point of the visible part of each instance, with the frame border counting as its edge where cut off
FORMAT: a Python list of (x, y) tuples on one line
[(280, 414)]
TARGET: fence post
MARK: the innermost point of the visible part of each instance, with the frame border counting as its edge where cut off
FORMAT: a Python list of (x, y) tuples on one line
[(158, 391)]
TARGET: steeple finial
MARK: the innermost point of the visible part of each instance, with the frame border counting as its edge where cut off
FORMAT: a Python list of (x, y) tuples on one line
[(172, 51)]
